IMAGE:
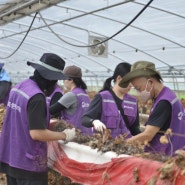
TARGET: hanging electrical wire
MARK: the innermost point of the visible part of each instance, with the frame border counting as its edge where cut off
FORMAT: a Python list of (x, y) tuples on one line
[(22, 39), (92, 45)]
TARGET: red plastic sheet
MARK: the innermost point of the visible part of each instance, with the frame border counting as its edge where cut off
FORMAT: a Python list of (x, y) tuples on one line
[(123, 170)]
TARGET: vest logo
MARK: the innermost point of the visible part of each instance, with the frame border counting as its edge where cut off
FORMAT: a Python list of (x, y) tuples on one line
[(181, 116), (14, 106), (128, 107), (85, 105)]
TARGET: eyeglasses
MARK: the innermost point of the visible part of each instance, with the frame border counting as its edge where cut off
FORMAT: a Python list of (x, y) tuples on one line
[(133, 91)]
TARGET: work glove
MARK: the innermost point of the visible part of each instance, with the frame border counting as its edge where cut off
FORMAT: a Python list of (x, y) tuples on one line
[(70, 134), (98, 125)]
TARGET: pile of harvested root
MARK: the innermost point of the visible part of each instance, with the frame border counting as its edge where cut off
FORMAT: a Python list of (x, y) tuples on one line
[(119, 145), (104, 143)]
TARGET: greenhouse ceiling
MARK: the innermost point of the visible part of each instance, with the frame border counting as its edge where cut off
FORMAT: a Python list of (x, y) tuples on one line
[(96, 35)]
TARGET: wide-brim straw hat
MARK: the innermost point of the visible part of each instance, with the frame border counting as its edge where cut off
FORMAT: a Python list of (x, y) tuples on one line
[(139, 69)]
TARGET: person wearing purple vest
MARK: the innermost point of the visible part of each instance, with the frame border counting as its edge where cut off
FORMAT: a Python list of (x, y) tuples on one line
[(166, 122), (75, 102), (5, 85), (103, 111), (23, 141)]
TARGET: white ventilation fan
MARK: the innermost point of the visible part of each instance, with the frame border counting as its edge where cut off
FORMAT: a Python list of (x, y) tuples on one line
[(99, 50)]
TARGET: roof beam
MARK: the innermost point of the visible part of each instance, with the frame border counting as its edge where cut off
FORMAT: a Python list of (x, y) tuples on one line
[(17, 10)]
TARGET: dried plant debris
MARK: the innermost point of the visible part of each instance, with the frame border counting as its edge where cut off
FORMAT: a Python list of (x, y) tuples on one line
[(119, 145), (179, 160), (2, 114), (152, 181), (104, 143), (136, 174), (153, 156), (166, 171), (55, 178)]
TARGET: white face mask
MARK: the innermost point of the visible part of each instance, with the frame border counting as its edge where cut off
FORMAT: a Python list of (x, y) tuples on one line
[(144, 96)]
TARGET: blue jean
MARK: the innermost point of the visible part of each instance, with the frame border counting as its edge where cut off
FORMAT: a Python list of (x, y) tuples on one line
[(15, 181)]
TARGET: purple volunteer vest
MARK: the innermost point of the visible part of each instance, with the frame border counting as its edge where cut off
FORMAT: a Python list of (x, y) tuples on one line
[(177, 125), (82, 105), (16, 145), (112, 117)]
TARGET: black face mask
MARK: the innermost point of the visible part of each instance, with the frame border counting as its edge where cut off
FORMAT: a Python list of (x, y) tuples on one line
[(47, 86)]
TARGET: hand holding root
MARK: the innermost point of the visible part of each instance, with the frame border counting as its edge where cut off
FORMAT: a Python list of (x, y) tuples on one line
[(98, 125), (70, 134)]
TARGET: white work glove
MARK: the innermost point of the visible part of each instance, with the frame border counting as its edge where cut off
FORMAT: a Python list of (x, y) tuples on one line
[(70, 134), (98, 125)]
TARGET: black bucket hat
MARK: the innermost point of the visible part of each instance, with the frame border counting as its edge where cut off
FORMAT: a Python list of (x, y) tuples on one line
[(139, 69), (50, 66)]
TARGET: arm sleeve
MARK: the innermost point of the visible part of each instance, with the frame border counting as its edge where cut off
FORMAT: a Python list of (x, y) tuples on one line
[(37, 112), (67, 100), (55, 98), (4, 89), (55, 111), (93, 112), (161, 116)]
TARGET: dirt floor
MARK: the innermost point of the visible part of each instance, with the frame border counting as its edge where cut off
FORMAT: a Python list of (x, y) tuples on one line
[(2, 179), (53, 179)]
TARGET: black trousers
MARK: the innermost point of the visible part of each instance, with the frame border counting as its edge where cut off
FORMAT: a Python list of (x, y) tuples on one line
[(15, 181)]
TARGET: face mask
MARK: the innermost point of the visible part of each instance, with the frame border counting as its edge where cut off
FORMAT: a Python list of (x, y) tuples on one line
[(47, 86), (144, 96)]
